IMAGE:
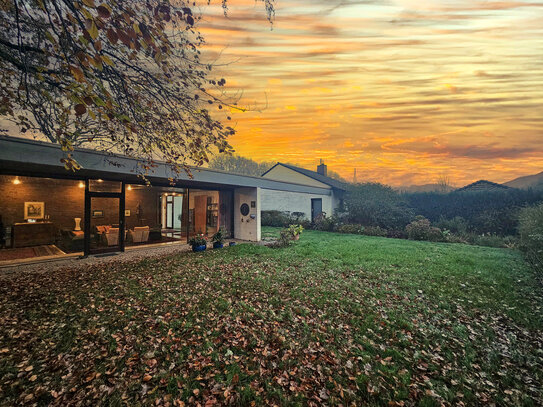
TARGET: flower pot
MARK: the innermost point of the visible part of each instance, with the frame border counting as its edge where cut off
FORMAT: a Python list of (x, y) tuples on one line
[(217, 245), (232, 244), (199, 248), (296, 237)]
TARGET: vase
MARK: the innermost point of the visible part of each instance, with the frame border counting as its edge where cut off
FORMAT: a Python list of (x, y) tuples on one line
[(77, 224), (198, 248)]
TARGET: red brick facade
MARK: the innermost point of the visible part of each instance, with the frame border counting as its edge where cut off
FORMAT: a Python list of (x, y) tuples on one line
[(65, 200)]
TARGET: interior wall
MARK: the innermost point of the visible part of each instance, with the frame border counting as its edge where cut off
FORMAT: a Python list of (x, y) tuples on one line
[(64, 200), (198, 208), (148, 199)]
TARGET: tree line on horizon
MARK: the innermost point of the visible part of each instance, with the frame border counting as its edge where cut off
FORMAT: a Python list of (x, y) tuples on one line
[(238, 164)]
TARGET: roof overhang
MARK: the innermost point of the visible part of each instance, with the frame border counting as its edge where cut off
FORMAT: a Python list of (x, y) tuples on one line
[(20, 156)]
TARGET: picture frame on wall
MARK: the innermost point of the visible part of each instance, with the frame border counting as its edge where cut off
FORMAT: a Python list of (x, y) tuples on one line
[(127, 212), (97, 213), (34, 210)]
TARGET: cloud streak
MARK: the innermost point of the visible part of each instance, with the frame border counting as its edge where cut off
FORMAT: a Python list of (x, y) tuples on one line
[(334, 77)]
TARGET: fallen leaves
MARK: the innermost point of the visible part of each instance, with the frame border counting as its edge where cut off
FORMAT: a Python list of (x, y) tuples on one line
[(186, 331)]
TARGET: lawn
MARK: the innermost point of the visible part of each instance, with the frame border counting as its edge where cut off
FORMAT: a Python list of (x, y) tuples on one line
[(333, 319)]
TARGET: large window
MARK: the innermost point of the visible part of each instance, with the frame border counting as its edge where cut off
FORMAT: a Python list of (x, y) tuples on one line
[(40, 217)]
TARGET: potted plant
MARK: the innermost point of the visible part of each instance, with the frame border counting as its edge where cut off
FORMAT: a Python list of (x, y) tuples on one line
[(295, 231), (218, 239), (198, 243)]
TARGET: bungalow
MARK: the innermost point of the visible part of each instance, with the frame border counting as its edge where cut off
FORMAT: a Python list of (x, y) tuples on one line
[(105, 206), (311, 205)]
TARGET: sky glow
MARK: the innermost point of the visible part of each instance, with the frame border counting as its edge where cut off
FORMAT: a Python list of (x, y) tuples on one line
[(406, 92)]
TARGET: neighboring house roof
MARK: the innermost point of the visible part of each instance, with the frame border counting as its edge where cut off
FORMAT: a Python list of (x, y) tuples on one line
[(483, 185), (334, 183)]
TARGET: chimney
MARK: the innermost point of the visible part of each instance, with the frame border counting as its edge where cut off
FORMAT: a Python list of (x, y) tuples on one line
[(322, 169)]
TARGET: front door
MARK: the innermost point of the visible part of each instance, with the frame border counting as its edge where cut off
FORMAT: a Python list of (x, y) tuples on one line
[(316, 208)]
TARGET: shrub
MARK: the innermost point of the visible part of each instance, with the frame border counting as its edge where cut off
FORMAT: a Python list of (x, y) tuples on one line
[(396, 234), (324, 223), (283, 219), (457, 225), (531, 235), (421, 229), (350, 228), (484, 211), (374, 231), (375, 204), (219, 236), (198, 240), (274, 218), (490, 240), (287, 235), (295, 230), (453, 238)]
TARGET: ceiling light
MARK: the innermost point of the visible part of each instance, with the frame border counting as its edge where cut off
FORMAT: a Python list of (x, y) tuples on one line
[(16, 181)]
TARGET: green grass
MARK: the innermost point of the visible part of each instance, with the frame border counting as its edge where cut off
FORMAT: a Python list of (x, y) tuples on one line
[(333, 319)]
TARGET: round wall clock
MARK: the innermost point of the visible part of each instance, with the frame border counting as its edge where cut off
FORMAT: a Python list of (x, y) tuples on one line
[(244, 209)]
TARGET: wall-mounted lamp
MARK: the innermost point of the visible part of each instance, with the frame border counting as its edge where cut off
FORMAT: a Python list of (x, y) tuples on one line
[(100, 180), (16, 181), (130, 188), (81, 184)]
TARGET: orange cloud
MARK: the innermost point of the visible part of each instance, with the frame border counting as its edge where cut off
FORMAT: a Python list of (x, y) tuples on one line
[(405, 93)]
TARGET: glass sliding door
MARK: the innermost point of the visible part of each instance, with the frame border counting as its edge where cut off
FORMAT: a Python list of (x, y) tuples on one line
[(105, 216), (105, 224), (177, 211)]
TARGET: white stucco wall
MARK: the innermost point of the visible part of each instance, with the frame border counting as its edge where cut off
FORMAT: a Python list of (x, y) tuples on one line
[(247, 227), (274, 200)]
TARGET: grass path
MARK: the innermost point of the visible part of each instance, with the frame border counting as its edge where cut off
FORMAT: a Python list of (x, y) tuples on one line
[(334, 319)]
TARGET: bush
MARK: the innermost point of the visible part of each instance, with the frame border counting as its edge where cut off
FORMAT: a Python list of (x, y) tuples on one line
[(374, 231), (274, 218), (375, 204), (531, 235), (483, 211), (490, 240), (287, 235), (198, 240), (396, 234), (421, 229), (457, 225), (351, 228), (324, 223), (219, 236), (283, 219)]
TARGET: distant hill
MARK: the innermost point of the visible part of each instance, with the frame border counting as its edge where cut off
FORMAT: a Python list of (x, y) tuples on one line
[(426, 188), (529, 181)]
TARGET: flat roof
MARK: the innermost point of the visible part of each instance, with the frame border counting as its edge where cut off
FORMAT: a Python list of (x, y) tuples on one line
[(19, 156)]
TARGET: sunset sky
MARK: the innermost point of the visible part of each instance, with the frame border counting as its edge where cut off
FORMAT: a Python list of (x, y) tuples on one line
[(406, 92)]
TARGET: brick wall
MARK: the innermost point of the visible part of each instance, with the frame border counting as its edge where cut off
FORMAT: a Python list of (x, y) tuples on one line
[(65, 200)]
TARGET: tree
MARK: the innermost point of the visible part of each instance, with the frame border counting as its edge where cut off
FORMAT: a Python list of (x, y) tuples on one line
[(120, 76), (239, 165)]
